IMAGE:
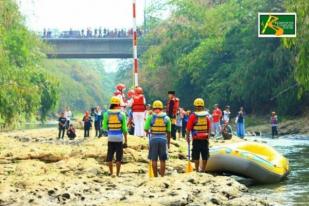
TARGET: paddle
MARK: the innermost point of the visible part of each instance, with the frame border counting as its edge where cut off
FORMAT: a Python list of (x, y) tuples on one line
[(150, 170), (189, 166)]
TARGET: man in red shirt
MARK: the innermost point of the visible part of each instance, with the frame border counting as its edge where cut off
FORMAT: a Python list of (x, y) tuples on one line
[(199, 126), (216, 117), (171, 110)]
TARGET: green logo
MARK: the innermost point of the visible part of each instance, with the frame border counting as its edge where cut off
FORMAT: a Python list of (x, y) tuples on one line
[(277, 25)]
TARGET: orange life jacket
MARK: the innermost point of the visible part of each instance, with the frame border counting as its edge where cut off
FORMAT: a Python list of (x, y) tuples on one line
[(138, 103)]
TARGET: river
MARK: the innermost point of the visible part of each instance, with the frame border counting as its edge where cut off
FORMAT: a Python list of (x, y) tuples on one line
[(295, 189)]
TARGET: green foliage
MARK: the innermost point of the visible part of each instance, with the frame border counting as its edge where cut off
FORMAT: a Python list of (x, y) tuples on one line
[(24, 87), (83, 83), (301, 43), (210, 49)]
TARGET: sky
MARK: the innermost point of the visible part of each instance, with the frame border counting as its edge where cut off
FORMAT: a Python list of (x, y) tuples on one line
[(78, 14)]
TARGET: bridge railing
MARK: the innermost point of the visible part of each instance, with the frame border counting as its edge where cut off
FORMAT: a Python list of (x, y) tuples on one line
[(96, 33)]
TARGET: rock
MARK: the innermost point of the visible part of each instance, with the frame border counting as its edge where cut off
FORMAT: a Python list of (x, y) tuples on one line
[(66, 196), (191, 180), (215, 201), (93, 171), (59, 173), (173, 193), (182, 156), (51, 192)]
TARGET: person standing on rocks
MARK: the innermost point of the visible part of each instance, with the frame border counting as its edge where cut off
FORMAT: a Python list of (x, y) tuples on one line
[(120, 88), (226, 115), (274, 124), (98, 121), (171, 110), (199, 127), (68, 116), (62, 121), (115, 123), (158, 125), (240, 123), (138, 109), (184, 122), (216, 117), (179, 118), (87, 124)]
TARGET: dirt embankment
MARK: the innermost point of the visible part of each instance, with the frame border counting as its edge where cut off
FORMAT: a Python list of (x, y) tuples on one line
[(36, 169)]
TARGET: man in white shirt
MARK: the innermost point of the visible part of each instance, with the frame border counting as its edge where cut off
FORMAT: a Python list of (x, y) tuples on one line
[(226, 114), (68, 116)]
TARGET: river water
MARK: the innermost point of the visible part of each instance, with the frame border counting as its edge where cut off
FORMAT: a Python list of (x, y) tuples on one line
[(295, 189)]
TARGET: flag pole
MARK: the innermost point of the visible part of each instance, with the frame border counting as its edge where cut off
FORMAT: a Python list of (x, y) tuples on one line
[(135, 60)]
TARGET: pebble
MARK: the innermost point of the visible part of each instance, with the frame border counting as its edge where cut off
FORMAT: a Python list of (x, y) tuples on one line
[(66, 196), (51, 192)]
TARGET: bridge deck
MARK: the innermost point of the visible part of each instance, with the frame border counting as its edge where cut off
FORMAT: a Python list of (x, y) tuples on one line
[(90, 47)]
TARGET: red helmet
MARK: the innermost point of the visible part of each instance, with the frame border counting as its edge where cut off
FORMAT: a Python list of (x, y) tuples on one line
[(131, 93), (138, 90), (120, 87)]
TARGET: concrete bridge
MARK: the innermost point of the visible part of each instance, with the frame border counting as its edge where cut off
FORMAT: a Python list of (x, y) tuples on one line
[(90, 47)]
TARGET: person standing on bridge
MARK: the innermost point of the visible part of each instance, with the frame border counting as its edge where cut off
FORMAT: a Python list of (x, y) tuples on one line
[(171, 110), (138, 105)]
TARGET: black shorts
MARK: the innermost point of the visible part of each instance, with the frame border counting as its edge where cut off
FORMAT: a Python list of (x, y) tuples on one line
[(178, 128), (200, 147), (112, 148)]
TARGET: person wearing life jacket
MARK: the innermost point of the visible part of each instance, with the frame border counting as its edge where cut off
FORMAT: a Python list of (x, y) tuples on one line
[(171, 110), (115, 123), (130, 123), (158, 126), (120, 88), (199, 126), (138, 106), (274, 124)]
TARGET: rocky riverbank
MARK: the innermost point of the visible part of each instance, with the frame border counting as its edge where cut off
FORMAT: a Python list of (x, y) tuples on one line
[(297, 125), (36, 169)]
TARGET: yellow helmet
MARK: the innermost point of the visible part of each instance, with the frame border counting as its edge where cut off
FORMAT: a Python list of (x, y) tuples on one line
[(157, 105), (199, 102), (115, 100)]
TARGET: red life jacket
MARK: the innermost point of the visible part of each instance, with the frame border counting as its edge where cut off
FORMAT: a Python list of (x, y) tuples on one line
[(138, 103), (200, 127), (175, 107)]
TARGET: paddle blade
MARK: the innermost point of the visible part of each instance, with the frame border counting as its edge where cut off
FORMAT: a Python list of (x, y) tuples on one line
[(189, 167), (150, 171)]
